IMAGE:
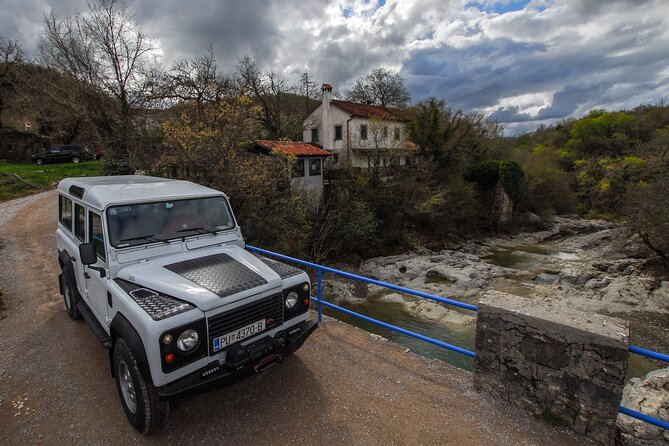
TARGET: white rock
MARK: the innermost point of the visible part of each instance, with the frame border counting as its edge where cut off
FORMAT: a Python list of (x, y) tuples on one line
[(649, 396)]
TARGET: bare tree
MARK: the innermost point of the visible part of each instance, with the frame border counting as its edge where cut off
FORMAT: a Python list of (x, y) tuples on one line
[(11, 55), (195, 80), (380, 87), (307, 88), (105, 48), (646, 207), (271, 92)]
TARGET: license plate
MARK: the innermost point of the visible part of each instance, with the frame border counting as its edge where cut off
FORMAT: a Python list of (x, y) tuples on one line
[(237, 335)]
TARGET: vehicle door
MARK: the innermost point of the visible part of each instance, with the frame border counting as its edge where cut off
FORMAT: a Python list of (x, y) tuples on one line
[(54, 154), (96, 287), (65, 153)]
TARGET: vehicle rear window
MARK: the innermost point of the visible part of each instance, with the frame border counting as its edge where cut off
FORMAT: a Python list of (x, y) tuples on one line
[(80, 222), (65, 212)]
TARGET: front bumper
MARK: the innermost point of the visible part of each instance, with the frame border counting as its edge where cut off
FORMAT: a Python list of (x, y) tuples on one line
[(216, 375)]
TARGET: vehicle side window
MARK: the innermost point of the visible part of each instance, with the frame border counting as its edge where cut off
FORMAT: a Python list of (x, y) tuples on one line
[(96, 234), (80, 222), (65, 212)]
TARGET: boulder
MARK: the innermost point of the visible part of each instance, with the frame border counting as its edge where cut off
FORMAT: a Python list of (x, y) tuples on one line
[(649, 396)]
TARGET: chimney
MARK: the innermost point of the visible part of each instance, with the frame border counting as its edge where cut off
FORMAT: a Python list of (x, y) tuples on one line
[(326, 122)]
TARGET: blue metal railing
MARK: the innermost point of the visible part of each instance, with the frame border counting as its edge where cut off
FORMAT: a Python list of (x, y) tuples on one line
[(649, 353), (320, 303)]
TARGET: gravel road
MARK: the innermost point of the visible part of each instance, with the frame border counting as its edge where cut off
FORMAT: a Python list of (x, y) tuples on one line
[(344, 386)]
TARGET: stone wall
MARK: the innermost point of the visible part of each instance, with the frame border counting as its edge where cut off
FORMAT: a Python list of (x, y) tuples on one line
[(564, 365)]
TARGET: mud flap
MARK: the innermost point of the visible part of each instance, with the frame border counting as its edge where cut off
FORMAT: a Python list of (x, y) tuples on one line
[(60, 284)]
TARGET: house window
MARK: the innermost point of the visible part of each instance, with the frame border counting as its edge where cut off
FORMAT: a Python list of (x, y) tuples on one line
[(298, 168), (363, 132), (314, 135), (65, 212), (397, 133), (314, 166), (80, 222), (338, 133), (96, 235)]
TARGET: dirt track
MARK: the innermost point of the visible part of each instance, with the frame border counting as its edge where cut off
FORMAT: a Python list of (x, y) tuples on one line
[(343, 387)]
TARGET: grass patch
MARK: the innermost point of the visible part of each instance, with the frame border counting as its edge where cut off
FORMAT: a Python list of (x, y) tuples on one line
[(46, 176)]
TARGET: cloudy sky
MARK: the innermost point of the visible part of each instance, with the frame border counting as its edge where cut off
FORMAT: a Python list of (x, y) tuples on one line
[(522, 62)]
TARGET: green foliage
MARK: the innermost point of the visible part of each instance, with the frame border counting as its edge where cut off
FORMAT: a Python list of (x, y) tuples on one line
[(546, 187), (451, 138), (488, 173), (602, 132)]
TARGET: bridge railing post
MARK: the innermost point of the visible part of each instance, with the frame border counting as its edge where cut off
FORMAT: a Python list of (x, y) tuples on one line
[(320, 295)]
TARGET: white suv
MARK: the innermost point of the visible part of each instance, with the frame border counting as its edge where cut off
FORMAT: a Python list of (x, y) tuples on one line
[(158, 268)]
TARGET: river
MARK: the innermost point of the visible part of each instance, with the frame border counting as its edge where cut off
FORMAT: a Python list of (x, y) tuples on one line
[(528, 269)]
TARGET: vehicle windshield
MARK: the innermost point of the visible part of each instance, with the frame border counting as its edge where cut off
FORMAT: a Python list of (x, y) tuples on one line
[(139, 224)]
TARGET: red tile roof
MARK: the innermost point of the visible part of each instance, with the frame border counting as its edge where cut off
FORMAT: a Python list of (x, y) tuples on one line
[(368, 111), (293, 147)]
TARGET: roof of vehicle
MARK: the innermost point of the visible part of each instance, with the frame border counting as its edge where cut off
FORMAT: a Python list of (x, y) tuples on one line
[(101, 192)]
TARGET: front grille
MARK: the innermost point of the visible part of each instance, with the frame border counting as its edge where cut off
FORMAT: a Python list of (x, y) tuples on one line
[(229, 321)]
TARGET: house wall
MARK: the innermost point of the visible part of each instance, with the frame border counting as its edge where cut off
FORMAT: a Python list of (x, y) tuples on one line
[(345, 148), (362, 151)]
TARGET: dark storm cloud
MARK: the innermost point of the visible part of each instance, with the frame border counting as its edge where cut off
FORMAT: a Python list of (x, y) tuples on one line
[(236, 28), (540, 63)]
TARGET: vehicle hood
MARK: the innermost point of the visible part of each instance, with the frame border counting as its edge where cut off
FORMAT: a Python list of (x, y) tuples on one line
[(207, 278)]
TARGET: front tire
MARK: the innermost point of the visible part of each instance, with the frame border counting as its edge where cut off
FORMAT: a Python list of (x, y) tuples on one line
[(139, 398), (71, 297), (39, 161), (76, 159)]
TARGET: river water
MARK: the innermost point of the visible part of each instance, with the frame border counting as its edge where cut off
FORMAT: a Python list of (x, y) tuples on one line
[(541, 262)]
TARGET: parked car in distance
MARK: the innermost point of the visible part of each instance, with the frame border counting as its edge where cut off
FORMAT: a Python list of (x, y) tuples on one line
[(63, 153)]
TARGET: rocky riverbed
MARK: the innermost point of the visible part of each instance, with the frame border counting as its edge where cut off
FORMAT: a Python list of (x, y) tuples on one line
[(591, 265)]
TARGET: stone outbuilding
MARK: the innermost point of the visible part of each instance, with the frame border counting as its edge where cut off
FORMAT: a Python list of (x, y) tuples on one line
[(307, 173)]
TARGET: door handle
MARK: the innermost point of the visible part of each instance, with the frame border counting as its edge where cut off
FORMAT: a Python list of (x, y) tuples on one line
[(86, 275)]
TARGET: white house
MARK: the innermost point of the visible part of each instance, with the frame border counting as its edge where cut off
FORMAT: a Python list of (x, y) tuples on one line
[(307, 173), (359, 135)]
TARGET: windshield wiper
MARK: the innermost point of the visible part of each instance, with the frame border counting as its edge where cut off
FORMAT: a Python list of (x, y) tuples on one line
[(202, 230), (151, 238)]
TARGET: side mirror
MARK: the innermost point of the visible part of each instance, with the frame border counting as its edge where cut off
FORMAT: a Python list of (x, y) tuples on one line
[(87, 254)]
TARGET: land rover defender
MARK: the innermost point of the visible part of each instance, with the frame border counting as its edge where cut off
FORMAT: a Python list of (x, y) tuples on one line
[(159, 269)]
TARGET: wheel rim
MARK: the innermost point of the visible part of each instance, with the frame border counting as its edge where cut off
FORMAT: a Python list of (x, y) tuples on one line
[(68, 297), (75, 159), (127, 387), (39, 161)]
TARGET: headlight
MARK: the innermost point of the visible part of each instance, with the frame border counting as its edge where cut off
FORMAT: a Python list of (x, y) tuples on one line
[(188, 340), (291, 300)]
